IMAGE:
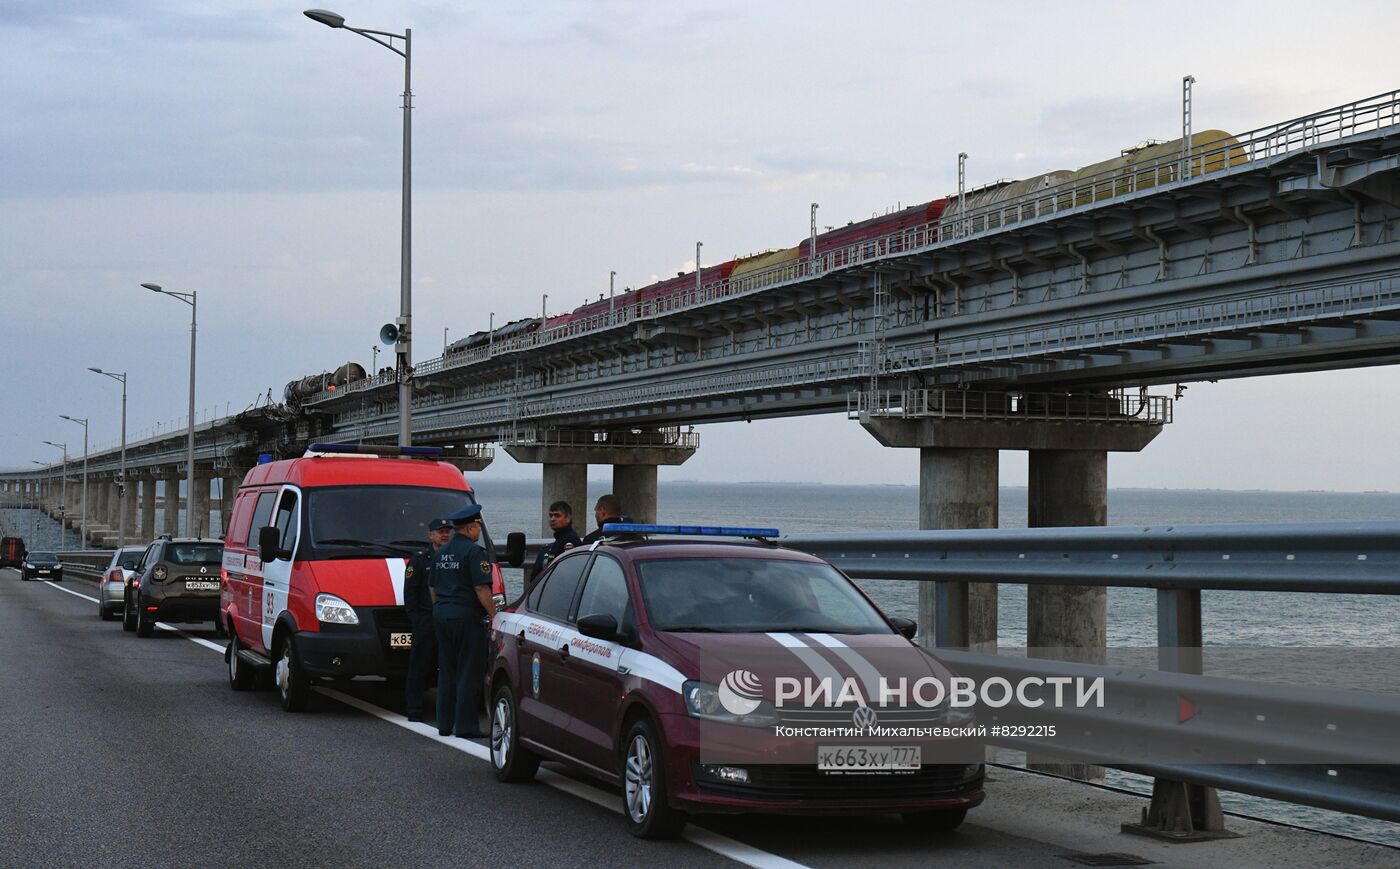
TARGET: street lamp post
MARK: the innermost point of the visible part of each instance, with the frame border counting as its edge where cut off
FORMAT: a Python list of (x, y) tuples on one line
[(192, 299), (121, 474), (63, 504), (82, 522), (404, 345), (38, 500)]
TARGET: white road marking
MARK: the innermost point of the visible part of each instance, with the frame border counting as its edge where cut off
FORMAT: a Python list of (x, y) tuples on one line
[(710, 841), (208, 644)]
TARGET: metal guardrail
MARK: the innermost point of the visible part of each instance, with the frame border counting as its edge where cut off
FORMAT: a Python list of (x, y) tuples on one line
[(1118, 406), (1350, 768)]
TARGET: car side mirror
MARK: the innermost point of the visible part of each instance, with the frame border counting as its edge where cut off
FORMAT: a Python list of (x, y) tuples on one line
[(907, 627), (268, 539), (599, 626), (515, 549)]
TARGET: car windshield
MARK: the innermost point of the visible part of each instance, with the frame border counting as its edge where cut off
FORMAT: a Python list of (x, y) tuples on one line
[(195, 553), (377, 520), (42, 556), (740, 595)]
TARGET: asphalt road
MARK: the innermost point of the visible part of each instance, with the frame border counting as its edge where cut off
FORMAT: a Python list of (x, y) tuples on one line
[(118, 751)]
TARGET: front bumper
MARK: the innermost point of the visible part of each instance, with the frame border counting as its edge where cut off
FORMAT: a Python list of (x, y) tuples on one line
[(344, 651), (54, 573), (803, 789)]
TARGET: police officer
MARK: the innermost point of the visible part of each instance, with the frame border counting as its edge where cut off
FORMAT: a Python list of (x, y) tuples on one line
[(462, 604), (418, 601), (561, 522), (608, 509)]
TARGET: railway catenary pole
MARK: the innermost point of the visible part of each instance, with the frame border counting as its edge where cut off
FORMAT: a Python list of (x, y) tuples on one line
[(544, 309), (698, 245), (403, 347), (812, 251), (612, 277), (122, 494), (82, 521), (192, 299), (962, 193), (491, 336), (1186, 83)]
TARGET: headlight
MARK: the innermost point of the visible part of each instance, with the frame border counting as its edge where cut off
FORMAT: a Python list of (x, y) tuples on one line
[(28, 566), (702, 700), (333, 610)]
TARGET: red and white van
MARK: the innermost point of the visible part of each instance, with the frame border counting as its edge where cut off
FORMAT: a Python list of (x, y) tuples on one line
[(314, 559)]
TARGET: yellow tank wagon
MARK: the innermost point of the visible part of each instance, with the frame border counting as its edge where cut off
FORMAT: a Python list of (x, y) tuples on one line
[(1150, 165)]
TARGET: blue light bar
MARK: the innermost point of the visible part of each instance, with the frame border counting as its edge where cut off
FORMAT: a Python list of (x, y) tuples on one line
[(687, 530), (376, 450)]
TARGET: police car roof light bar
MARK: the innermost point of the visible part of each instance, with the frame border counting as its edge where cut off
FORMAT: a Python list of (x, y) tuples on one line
[(377, 450), (689, 530)]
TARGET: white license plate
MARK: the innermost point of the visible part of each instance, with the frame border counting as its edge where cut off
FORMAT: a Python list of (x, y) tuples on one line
[(401, 640), (202, 584), (867, 758)]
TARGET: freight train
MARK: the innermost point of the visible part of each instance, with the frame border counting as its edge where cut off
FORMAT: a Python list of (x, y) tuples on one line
[(1139, 168)]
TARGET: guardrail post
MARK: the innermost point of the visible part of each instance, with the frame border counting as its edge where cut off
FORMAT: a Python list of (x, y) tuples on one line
[(1179, 811)]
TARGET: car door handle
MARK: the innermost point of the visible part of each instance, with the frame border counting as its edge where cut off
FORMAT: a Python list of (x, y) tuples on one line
[(564, 651), (521, 636)]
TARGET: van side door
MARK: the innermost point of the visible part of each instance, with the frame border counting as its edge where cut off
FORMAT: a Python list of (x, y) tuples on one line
[(277, 574)]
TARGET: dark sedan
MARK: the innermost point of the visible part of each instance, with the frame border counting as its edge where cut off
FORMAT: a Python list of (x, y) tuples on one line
[(41, 565)]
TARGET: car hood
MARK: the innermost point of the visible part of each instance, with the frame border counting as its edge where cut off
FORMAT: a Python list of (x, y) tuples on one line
[(861, 659)]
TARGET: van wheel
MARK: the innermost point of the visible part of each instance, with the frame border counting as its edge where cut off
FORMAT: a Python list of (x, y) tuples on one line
[(293, 687), (240, 675), (511, 761), (128, 614), (644, 803)]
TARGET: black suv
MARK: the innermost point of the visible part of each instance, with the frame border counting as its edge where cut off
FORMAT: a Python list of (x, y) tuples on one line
[(41, 565), (177, 580)]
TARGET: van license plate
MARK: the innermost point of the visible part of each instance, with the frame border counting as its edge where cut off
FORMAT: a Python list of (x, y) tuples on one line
[(202, 584), (401, 640)]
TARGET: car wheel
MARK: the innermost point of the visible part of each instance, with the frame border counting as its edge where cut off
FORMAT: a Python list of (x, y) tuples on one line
[(509, 759), (145, 623), (104, 612), (936, 821), (240, 675), (128, 614), (649, 815), (293, 687)]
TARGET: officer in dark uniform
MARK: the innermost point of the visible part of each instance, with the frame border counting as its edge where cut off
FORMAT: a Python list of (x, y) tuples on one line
[(418, 602), (462, 606)]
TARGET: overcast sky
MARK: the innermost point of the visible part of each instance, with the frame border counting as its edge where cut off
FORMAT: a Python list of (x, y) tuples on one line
[(243, 151)]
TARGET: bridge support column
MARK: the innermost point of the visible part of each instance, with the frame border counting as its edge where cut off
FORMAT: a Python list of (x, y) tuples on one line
[(568, 482), (198, 504), (1067, 622), (99, 511), (126, 528), (634, 456), (148, 510), (171, 503), (228, 488)]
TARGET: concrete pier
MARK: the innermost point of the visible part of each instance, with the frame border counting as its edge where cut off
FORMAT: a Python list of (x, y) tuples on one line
[(171, 503), (148, 510)]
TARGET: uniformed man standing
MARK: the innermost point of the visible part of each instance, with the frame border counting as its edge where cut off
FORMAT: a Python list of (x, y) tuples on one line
[(462, 605), (418, 601)]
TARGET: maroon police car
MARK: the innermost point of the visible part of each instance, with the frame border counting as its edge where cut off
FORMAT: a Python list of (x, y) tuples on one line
[(707, 675)]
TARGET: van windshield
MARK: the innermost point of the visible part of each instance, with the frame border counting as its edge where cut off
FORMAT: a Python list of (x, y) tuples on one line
[(375, 521)]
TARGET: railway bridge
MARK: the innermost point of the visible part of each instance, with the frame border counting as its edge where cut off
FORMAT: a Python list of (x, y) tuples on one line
[(1038, 323)]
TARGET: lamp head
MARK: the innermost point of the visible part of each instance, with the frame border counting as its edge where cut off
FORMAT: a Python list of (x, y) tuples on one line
[(97, 371), (328, 18), (155, 288)]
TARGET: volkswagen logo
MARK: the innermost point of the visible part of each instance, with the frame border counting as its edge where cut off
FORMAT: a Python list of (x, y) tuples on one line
[(864, 717)]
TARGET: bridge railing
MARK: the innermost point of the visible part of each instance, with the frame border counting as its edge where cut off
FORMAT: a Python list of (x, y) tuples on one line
[(1317, 746), (1191, 165)]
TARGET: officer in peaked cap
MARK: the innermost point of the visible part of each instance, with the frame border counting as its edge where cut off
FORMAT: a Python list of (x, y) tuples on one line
[(418, 602), (462, 606)]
